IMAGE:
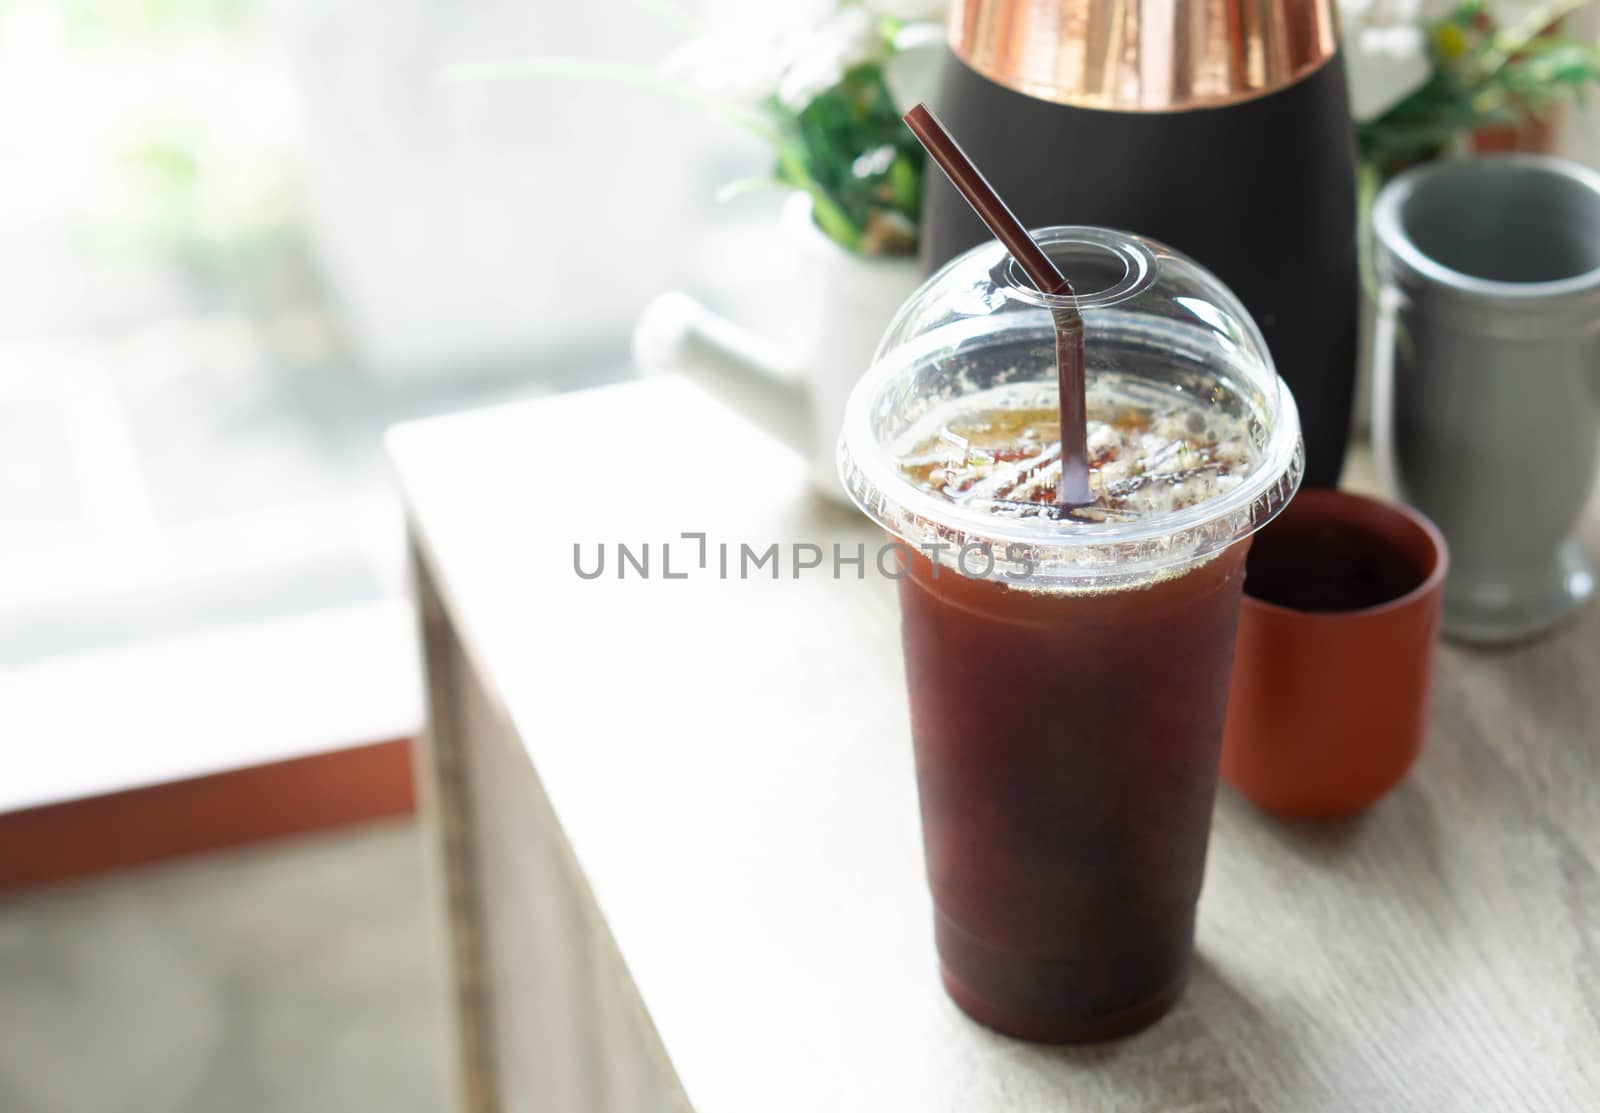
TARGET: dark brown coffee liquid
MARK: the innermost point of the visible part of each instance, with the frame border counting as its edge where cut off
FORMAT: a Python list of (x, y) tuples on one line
[(1313, 565), (1066, 748)]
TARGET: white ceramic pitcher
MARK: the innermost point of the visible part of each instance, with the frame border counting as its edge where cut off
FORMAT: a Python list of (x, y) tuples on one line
[(796, 392)]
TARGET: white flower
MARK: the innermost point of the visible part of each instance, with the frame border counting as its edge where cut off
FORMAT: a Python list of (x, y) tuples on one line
[(846, 40), (747, 46), (726, 68), (766, 19), (1385, 65), (1386, 50), (796, 50), (912, 70), (1385, 53)]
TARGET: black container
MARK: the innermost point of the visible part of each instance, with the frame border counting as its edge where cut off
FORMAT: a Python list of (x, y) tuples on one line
[(1260, 190)]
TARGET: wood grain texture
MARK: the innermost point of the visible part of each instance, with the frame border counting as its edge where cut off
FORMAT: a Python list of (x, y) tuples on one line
[(450, 866), (727, 767)]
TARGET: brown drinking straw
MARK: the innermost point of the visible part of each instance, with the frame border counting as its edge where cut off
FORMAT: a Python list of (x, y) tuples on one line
[(1073, 489)]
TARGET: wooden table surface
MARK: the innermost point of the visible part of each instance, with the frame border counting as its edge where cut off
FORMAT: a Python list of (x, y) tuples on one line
[(729, 765)]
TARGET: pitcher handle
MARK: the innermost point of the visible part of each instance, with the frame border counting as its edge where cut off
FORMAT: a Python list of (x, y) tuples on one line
[(746, 372)]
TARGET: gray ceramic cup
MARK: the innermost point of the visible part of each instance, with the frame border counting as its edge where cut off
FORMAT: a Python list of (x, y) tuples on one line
[(1486, 378)]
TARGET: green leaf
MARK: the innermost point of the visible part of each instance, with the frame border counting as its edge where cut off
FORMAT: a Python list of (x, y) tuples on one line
[(905, 180), (1482, 77), (741, 186), (849, 146), (833, 221)]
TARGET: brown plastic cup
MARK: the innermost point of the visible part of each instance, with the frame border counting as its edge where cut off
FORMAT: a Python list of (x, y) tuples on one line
[(1334, 659)]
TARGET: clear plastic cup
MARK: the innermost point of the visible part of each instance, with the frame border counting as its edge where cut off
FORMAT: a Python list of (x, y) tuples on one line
[(1068, 673)]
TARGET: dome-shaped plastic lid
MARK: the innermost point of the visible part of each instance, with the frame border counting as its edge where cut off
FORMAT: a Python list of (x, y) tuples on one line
[(950, 439)]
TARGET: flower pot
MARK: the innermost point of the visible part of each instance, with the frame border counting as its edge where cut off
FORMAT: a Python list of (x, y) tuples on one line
[(1334, 656)]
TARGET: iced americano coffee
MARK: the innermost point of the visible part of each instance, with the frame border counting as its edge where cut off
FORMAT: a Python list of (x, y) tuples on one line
[(1068, 669)]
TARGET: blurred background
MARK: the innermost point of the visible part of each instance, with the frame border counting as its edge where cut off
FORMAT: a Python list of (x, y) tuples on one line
[(239, 238)]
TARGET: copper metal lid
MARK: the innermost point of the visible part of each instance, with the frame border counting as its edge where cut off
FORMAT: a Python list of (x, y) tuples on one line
[(1144, 55)]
